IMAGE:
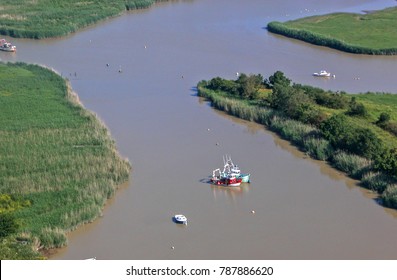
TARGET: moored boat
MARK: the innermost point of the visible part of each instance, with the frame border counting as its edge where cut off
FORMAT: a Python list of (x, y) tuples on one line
[(180, 219), (6, 46), (231, 168), (231, 174), (221, 180), (322, 73)]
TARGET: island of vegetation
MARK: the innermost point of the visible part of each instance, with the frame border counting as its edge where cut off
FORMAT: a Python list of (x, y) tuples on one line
[(47, 18), (58, 163), (355, 133), (370, 33)]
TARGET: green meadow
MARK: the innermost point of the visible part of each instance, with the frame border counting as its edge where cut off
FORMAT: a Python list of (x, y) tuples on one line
[(48, 18), (370, 33), (58, 163)]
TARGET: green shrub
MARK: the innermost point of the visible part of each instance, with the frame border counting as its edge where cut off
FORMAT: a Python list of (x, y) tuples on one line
[(8, 225), (356, 108)]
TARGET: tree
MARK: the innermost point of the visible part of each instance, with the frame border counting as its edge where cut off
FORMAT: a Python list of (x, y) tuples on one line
[(249, 85), (366, 143), (278, 78), (334, 128), (343, 135)]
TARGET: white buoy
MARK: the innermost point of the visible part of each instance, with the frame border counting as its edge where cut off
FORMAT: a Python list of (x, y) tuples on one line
[(253, 211), (172, 247)]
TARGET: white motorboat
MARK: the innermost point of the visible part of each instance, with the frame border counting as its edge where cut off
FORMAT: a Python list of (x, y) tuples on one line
[(6, 46), (180, 219), (322, 73)]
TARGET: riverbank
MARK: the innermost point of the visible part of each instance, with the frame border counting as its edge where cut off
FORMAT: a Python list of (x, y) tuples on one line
[(43, 19), (371, 33), (333, 127), (59, 164)]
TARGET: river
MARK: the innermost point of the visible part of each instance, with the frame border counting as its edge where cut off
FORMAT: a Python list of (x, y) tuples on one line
[(146, 96)]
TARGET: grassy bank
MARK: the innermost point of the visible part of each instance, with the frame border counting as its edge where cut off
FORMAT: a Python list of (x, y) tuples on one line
[(46, 18), (372, 33), (58, 163), (346, 130)]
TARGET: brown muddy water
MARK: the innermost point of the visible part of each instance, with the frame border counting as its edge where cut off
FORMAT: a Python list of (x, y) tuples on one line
[(303, 208)]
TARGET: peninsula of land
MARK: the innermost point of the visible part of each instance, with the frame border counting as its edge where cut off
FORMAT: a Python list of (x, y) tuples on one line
[(355, 133), (58, 162), (370, 33)]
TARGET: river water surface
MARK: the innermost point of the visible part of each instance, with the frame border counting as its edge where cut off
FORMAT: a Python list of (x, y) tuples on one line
[(146, 96)]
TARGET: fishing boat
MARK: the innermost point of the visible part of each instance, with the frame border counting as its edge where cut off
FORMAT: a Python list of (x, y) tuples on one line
[(231, 168), (230, 175), (229, 180), (322, 73), (180, 219), (6, 46)]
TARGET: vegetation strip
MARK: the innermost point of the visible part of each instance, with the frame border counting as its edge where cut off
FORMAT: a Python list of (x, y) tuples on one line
[(58, 163), (372, 33), (47, 18), (346, 130)]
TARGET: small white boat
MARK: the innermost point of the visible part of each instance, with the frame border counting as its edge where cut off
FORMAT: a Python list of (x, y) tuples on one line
[(6, 46), (180, 219), (322, 73)]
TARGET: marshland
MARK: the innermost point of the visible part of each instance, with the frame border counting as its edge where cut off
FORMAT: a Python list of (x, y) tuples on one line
[(303, 208), (59, 164), (368, 32), (46, 18)]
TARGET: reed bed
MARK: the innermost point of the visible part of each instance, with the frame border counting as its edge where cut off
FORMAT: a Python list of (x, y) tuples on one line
[(54, 154), (292, 130), (389, 197), (46, 18), (318, 148), (376, 181), (353, 165)]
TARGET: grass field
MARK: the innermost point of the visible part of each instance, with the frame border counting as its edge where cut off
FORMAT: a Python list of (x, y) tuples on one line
[(372, 32), (48, 18), (57, 159)]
